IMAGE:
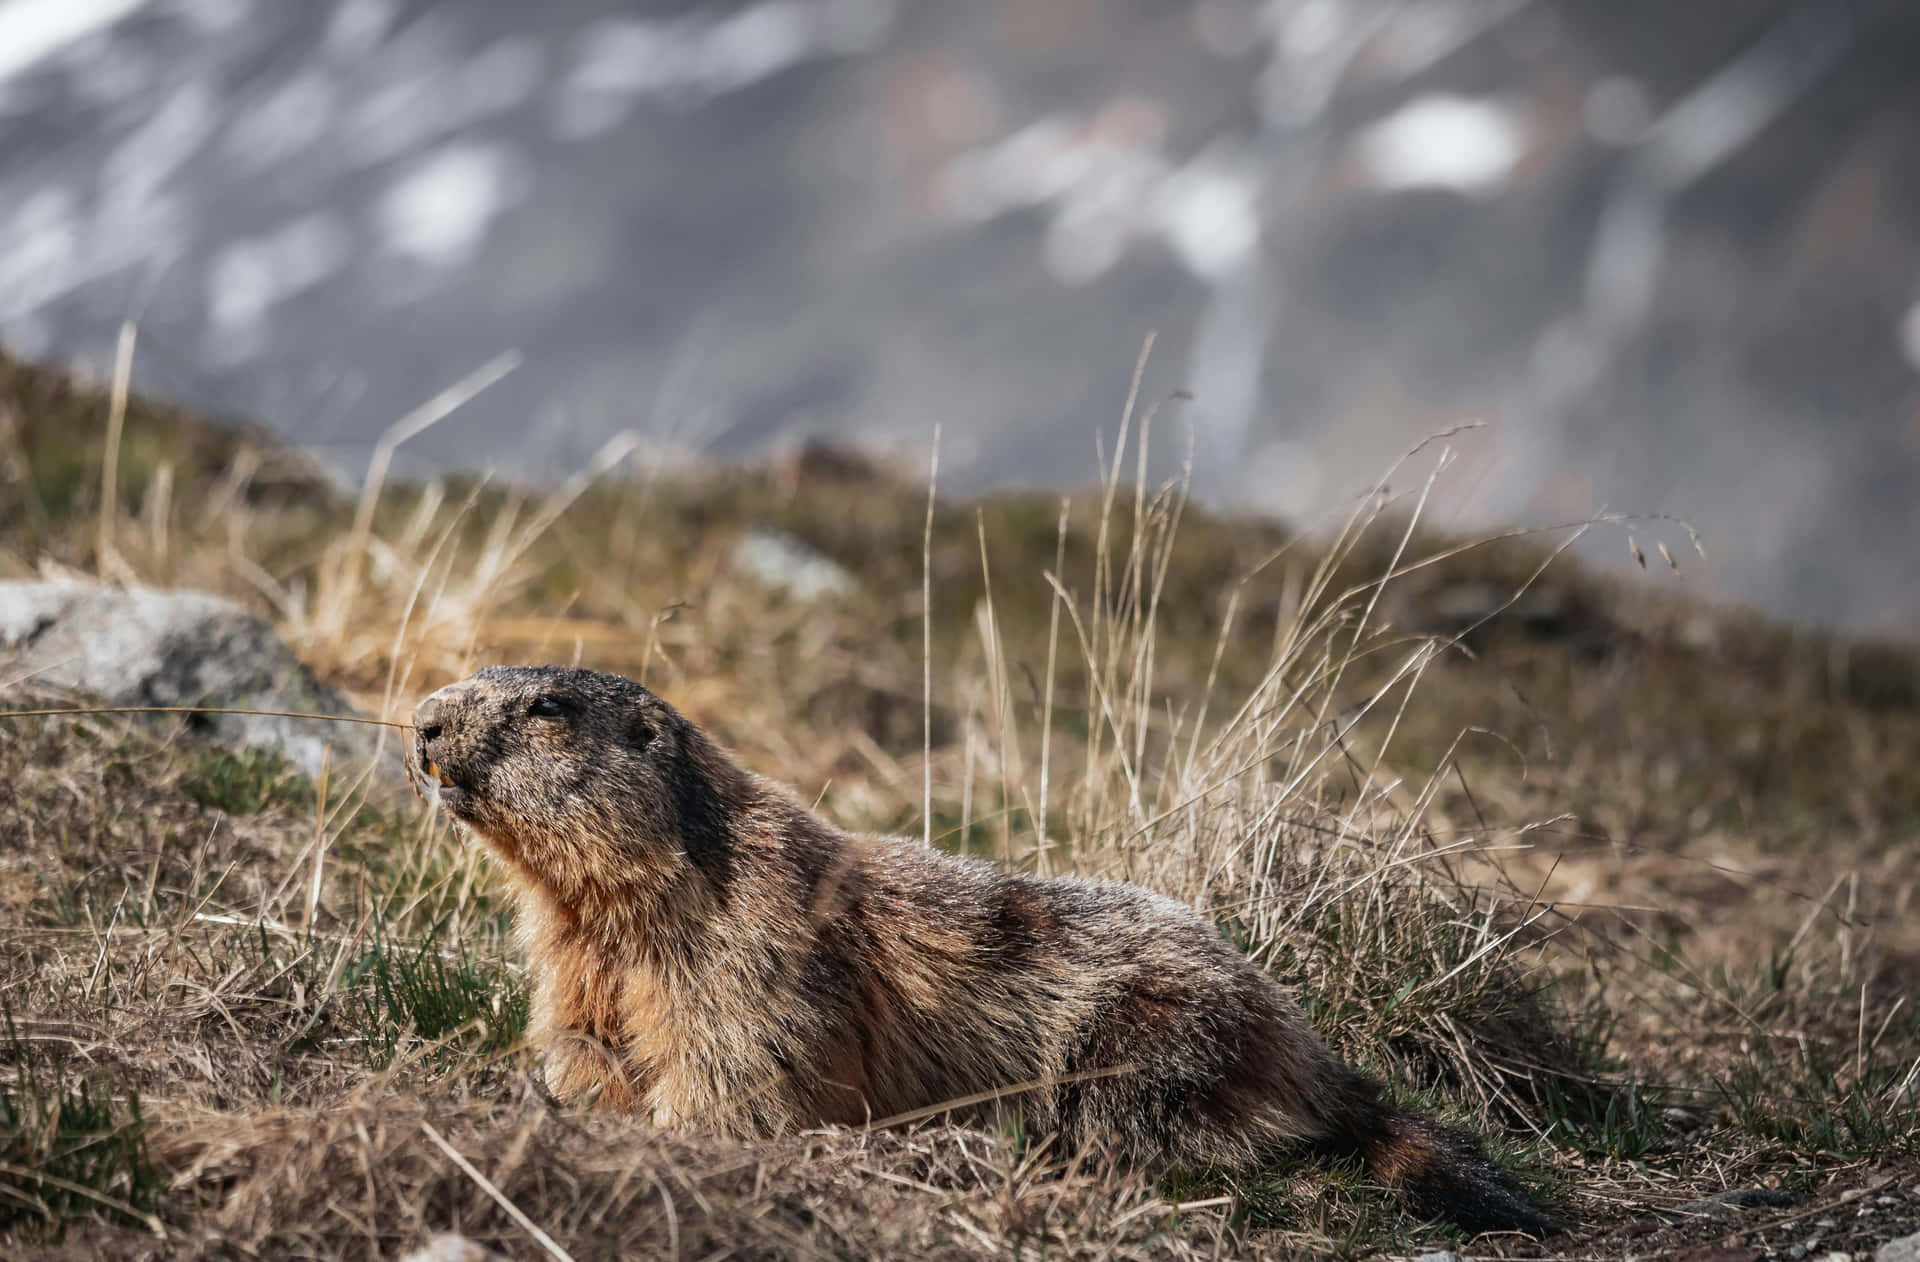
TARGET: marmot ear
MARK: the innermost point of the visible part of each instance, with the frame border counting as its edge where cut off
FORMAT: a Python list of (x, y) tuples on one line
[(640, 729)]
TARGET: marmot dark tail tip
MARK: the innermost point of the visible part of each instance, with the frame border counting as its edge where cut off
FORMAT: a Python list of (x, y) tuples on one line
[(1442, 1173)]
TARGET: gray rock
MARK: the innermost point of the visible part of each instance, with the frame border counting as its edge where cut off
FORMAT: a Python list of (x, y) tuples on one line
[(1905, 1249), (145, 647), (786, 564), (1440, 1255)]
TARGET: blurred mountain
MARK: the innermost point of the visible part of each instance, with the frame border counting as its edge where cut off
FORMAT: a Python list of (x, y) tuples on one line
[(1670, 254)]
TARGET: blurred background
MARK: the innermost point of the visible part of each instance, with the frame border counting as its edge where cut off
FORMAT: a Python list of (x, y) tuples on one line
[(1669, 254)]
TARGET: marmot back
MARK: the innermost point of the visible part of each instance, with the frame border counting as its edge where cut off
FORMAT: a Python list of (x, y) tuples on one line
[(707, 952)]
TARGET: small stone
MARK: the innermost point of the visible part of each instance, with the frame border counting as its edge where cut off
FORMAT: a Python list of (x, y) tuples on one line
[(1905, 1249), (1852, 1194), (1825, 1224), (452, 1247), (1798, 1251), (1440, 1255), (783, 563)]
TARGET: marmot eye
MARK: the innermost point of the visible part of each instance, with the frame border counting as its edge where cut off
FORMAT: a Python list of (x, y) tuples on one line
[(544, 708)]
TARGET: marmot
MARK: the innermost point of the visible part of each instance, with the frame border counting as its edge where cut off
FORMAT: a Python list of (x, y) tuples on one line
[(708, 952)]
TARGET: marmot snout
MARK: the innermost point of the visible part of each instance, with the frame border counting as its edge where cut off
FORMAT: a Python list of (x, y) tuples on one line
[(707, 952)]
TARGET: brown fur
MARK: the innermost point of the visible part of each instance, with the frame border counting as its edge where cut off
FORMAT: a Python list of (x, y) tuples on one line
[(706, 952)]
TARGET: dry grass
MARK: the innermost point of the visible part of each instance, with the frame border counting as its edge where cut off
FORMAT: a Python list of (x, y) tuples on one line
[(1613, 877)]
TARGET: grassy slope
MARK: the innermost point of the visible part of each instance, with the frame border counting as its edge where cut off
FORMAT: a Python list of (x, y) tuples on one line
[(1617, 876)]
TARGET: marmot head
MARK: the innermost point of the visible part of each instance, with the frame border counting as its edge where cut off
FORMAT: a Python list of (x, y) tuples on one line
[(582, 781)]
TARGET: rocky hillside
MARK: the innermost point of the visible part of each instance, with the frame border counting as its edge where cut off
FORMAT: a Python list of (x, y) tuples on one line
[(1669, 250)]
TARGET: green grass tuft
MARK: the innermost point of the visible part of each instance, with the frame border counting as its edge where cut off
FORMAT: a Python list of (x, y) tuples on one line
[(71, 1151), (402, 994), (246, 782)]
